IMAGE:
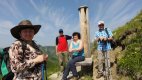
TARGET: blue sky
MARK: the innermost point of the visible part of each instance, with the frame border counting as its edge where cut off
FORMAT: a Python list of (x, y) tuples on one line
[(56, 14)]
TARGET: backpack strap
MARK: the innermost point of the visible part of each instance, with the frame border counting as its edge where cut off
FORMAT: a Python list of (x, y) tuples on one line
[(1, 52), (4, 69), (107, 32)]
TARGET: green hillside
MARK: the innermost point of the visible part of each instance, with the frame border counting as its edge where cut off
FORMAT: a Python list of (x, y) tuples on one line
[(52, 63), (130, 64)]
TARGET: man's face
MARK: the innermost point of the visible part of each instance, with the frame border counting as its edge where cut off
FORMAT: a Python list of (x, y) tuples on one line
[(60, 33), (101, 26)]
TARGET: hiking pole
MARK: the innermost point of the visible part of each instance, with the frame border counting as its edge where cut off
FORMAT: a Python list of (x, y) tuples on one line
[(45, 68), (107, 72), (44, 71)]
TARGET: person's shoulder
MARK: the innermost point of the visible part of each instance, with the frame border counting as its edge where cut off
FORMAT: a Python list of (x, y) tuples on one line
[(57, 37), (71, 42), (108, 29), (79, 41), (17, 42), (67, 36)]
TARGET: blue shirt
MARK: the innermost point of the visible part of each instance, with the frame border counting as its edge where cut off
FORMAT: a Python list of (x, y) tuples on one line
[(74, 46), (105, 46)]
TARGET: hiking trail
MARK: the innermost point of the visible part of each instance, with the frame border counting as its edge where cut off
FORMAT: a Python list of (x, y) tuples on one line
[(113, 56)]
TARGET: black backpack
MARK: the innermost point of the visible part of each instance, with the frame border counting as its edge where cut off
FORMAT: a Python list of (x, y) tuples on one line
[(4, 57), (112, 42)]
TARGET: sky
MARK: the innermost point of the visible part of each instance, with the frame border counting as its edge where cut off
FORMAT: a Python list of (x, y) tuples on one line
[(56, 14)]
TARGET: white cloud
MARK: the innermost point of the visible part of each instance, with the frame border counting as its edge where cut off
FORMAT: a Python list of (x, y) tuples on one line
[(123, 12), (10, 6), (114, 7), (5, 27), (42, 7), (123, 20), (52, 19), (6, 24), (34, 5), (55, 17), (5, 35), (99, 11)]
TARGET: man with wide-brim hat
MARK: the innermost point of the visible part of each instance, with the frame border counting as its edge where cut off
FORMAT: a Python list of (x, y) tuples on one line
[(26, 61)]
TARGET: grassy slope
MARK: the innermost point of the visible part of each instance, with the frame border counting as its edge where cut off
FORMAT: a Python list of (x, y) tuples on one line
[(130, 63)]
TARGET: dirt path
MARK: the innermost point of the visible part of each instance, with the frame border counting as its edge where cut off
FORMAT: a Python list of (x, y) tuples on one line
[(56, 77), (113, 55)]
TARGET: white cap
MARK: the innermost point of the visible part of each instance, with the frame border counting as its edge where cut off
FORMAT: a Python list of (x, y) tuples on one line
[(100, 22)]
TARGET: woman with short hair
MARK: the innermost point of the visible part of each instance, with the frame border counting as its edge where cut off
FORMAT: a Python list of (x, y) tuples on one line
[(77, 50)]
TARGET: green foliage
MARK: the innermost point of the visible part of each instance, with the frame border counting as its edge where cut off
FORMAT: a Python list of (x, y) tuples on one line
[(0, 76), (87, 77), (131, 62)]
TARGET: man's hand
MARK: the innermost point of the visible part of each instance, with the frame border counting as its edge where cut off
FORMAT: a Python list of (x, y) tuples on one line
[(101, 38), (56, 53), (110, 38), (105, 39), (74, 50)]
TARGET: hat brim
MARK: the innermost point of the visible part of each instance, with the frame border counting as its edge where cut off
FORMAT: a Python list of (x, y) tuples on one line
[(15, 31)]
